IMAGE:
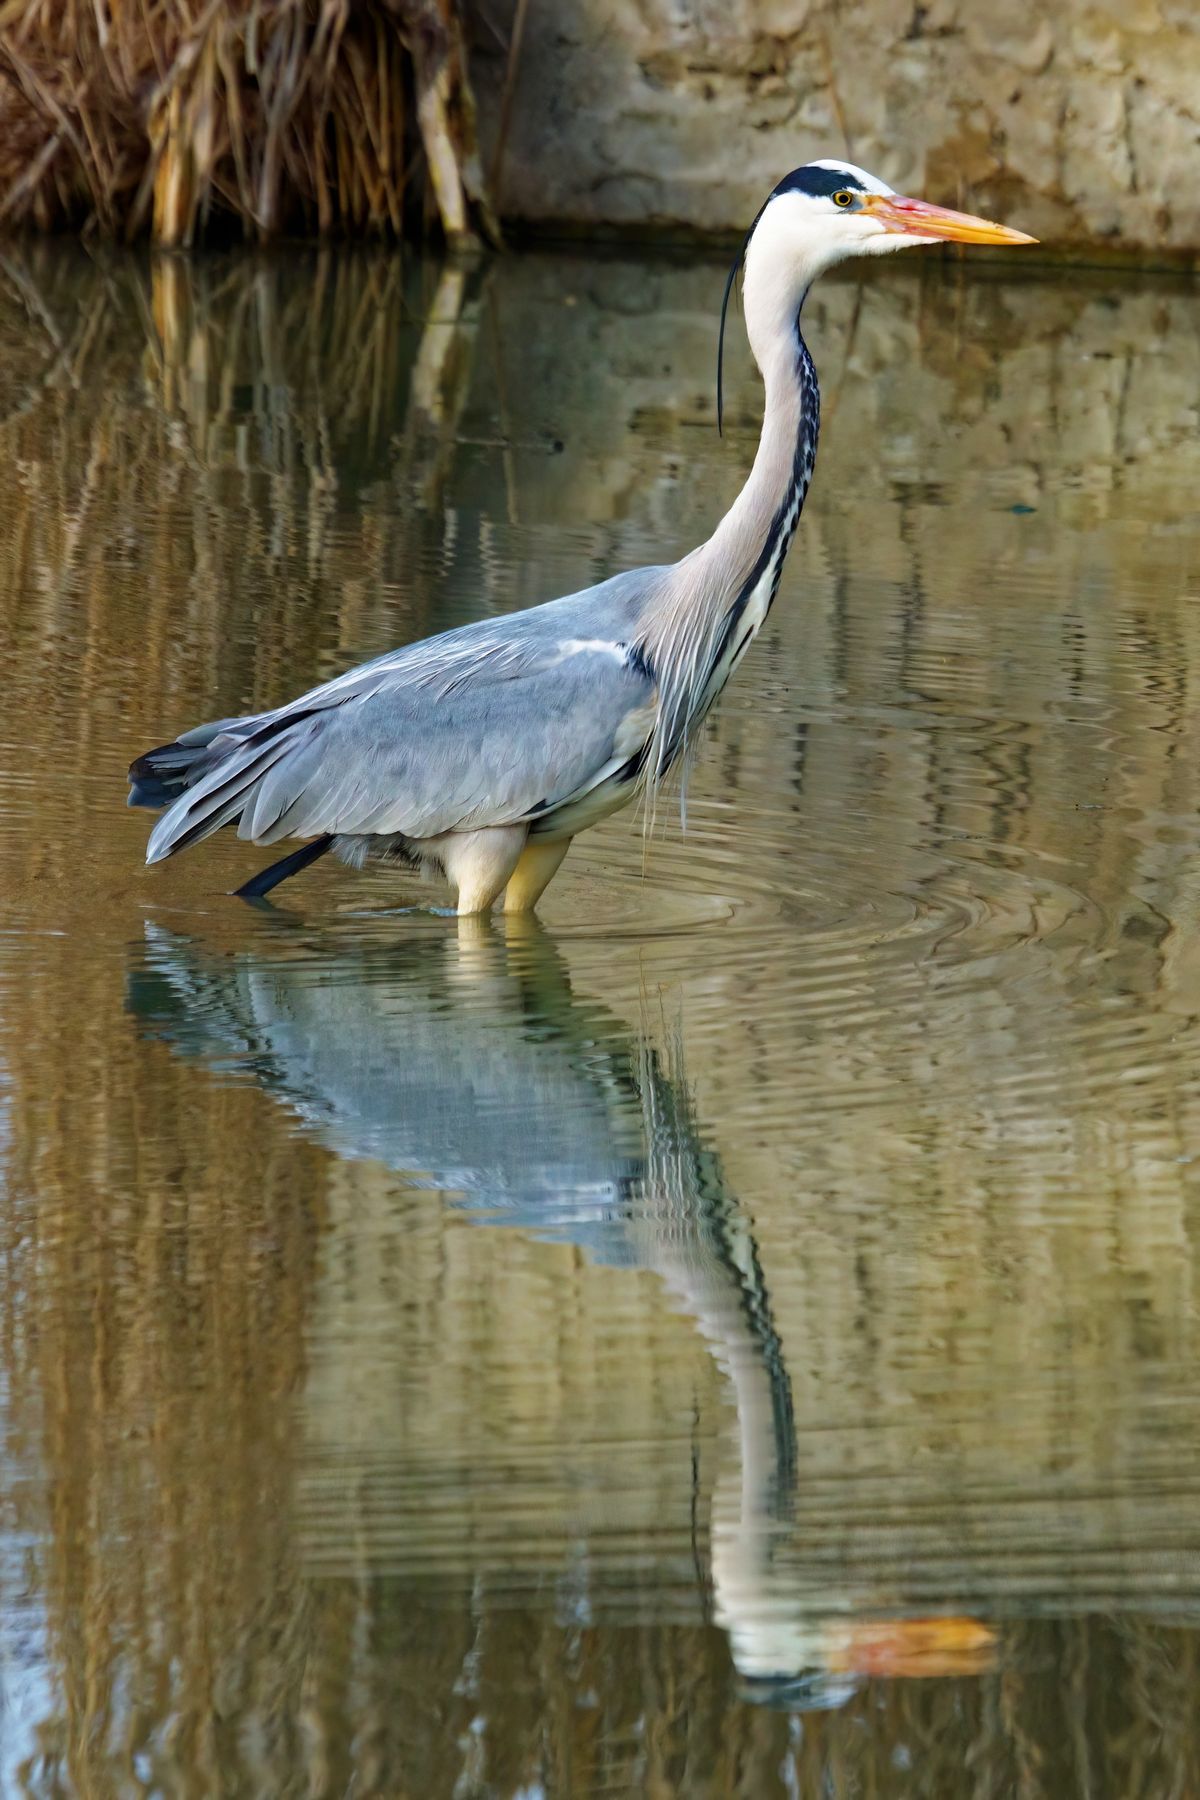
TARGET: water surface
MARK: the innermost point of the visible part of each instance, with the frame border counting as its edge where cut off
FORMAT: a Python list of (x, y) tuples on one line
[(738, 1336)]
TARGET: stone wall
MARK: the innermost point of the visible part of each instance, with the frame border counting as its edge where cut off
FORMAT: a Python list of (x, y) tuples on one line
[(1078, 120)]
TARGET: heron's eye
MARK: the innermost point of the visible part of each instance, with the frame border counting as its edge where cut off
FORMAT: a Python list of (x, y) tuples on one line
[(842, 198)]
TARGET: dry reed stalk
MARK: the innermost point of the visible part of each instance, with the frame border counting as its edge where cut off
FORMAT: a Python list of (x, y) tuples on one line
[(275, 114)]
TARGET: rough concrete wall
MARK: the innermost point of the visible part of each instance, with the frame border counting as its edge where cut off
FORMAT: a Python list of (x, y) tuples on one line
[(1077, 120)]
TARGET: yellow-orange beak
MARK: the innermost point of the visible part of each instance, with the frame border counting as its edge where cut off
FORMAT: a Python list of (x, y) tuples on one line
[(917, 218)]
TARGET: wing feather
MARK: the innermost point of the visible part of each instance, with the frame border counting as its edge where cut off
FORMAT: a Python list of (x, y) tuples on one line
[(490, 725)]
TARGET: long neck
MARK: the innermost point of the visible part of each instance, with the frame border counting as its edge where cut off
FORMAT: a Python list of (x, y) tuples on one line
[(713, 602), (758, 528)]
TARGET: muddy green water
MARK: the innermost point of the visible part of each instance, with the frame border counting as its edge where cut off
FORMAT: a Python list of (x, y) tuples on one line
[(740, 1336)]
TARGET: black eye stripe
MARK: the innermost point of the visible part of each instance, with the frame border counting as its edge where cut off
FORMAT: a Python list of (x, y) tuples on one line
[(822, 184)]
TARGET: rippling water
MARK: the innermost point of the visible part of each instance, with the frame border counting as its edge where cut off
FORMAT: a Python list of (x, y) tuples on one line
[(738, 1336)]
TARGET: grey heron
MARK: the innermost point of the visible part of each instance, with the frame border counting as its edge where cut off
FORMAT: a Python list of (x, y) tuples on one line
[(479, 754)]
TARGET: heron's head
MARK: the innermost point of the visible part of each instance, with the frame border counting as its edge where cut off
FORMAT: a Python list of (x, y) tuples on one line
[(820, 215), (827, 211)]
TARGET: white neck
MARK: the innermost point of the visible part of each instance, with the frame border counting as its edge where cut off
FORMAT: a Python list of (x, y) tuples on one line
[(787, 445)]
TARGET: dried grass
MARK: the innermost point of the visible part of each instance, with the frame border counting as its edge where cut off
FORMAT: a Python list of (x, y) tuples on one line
[(168, 116)]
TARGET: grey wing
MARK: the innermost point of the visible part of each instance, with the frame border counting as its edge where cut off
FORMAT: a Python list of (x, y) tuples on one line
[(412, 760), (490, 726)]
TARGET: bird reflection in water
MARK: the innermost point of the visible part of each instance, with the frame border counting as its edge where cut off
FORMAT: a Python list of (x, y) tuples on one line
[(469, 1064)]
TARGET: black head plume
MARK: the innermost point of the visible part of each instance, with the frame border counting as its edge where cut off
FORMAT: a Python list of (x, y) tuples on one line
[(729, 281), (732, 276)]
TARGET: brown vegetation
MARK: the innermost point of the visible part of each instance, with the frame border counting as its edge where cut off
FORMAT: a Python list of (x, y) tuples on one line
[(275, 115)]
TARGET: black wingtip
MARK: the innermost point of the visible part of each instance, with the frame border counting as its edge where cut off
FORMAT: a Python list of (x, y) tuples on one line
[(160, 775)]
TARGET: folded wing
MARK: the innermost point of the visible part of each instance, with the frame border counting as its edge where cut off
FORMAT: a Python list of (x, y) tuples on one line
[(483, 727)]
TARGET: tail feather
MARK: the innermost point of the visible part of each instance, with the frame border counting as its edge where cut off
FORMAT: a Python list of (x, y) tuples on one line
[(223, 772), (216, 797)]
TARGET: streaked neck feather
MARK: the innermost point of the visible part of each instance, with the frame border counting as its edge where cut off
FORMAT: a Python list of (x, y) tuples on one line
[(694, 621)]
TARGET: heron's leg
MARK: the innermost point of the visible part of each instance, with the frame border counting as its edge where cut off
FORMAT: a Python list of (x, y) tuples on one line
[(479, 863), (538, 865)]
